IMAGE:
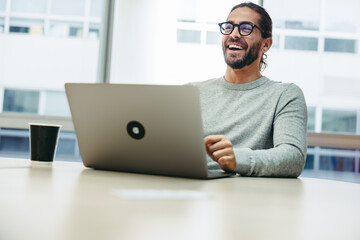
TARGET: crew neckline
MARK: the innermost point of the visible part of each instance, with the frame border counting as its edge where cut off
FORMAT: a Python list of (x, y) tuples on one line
[(243, 86)]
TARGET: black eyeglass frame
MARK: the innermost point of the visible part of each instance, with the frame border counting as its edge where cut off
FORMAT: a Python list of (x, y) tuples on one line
[(238, 25)]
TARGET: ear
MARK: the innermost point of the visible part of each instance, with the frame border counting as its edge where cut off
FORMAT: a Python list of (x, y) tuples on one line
[(267, 44)]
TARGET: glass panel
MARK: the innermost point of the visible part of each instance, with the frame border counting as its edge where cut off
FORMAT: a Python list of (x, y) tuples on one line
[(301, 43), (15, 143), (94, 31), (188, 36), (342, 17), (309, 164), (24, 101), (337, 163), (290, 14), (276, 41), (68, 7), (67, 144), (56, 104), (2, 25), (66, 29), (2, 5), (96, 8), (48, 62), (340, 45), (341, 121), (213, 38), (28, 26), (311, 119), (67, 149), (25, 6)]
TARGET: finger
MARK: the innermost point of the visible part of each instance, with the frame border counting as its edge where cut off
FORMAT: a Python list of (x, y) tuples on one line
[(222, 153), (227, 163), (224, 143), (213, 139)]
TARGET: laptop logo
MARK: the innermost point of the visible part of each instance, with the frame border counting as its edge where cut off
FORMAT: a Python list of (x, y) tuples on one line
[(136, 130)]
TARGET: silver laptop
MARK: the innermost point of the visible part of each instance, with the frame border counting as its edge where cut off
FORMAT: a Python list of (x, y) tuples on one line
[(151, 129)]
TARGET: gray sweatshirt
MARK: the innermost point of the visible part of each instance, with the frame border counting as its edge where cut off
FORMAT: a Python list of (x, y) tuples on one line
[(266, 122)]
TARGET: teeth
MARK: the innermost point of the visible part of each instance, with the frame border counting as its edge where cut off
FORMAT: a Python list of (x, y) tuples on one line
[(235, 46)]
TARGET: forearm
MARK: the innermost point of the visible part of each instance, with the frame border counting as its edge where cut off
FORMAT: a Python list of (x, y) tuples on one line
[(282, 161)]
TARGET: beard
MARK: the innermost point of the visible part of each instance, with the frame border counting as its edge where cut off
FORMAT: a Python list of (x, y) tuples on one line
[(250, 56)]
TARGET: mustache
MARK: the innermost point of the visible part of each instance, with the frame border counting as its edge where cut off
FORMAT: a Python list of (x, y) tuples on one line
[(239, 42)]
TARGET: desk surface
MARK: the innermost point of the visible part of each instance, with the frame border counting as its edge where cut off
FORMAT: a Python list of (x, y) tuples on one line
[(68, 201)]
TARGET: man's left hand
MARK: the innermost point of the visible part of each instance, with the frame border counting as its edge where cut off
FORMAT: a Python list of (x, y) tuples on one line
[(220, 149)]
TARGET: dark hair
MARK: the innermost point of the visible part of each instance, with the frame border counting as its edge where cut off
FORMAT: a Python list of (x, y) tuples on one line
[(265, 23)]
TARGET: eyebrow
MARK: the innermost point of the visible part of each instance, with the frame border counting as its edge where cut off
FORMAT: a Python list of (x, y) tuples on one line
[(240, 22)]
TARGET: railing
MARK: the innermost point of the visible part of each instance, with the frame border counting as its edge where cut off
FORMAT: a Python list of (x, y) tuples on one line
[(332, 140)]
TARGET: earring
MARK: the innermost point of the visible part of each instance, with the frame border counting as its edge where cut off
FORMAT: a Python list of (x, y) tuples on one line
[(264, 49)]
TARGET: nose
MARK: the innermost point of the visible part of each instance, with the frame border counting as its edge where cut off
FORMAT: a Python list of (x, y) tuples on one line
[(235, 33)]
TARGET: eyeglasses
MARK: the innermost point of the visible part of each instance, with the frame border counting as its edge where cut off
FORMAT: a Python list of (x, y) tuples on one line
[(245, 28)]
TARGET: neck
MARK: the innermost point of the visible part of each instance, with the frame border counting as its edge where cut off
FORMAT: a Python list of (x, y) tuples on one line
[(244, 75)]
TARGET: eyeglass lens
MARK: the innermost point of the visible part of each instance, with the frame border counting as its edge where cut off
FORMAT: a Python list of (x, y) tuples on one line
[(244, 28)]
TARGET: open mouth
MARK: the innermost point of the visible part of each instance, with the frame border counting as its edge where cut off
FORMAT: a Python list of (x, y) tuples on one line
[(235, 47)]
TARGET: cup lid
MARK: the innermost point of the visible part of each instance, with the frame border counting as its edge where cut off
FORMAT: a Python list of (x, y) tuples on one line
[(46, 124)]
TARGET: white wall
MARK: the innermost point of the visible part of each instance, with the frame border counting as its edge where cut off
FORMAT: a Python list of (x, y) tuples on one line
[(141, 45)]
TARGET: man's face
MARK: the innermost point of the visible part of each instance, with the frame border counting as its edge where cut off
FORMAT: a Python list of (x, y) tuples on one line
[(240, 51)]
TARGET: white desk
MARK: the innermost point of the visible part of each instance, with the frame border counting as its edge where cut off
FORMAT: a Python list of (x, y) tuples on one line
[(67, 201)]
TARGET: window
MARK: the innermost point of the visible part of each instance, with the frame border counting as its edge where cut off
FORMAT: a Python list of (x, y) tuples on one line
[(197, 20), (68, 7), (44, 44), (96, 8), (290, 15), (341, 121), (276, 41), (17, 142), (66, 29), (311, 119), (309, 164), (51, 58), (328, 82), (22, 101), (94, 31), (188, 36), (340, 45), (56, 104), (324, 66), (26, 26), (301, 43), (324, 160), (335, 163), (2, 25), (2, 5), (33, 6)]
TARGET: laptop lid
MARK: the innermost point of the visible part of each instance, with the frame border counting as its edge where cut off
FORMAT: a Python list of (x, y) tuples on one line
[(152, 129)]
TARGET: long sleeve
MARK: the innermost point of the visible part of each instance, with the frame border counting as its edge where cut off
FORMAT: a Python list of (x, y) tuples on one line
[(287, 157)]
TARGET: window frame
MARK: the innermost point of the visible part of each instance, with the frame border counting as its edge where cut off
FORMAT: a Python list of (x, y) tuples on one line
[(21, 120)]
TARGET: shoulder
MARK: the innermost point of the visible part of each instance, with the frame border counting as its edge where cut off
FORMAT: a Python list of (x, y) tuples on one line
[(285, 89), (206, 84)]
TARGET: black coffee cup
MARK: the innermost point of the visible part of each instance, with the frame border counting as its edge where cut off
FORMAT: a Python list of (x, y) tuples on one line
[(43, 141)]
